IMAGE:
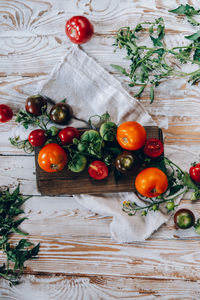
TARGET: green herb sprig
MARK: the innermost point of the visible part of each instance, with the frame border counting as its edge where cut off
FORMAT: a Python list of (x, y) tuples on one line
[(10, 208), (149, 66)]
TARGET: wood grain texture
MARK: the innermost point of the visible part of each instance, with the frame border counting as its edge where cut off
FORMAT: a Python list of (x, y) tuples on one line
[(98, 287), (75, 240)]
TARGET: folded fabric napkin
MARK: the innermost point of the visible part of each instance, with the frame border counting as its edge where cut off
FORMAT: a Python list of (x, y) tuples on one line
[(90, 90)]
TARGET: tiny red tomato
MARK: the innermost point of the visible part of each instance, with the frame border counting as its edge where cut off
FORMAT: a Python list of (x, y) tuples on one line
[(195, 172), (98, 170), (37, 137), (6, 113), (67, 135), (79, 29), (153, 147)]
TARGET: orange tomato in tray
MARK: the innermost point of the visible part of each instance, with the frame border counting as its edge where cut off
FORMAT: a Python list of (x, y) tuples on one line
[(131, 135), (151, 182), (52, 158)]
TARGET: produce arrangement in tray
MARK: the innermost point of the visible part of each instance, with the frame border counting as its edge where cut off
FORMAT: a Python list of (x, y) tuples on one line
[(105, 148)]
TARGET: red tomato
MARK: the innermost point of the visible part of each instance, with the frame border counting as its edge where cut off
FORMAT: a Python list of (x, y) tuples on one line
[(195, 172), (37, 137), (153, 147), (98, 170), (79, 29), (67, 134), (52, 158), (6, 113)]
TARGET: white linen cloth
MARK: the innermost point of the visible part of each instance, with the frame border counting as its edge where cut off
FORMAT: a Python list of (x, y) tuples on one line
[(90, 90)]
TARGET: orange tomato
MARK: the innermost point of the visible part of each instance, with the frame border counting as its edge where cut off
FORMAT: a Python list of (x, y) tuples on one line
[(131, 135), (151, 182), (52, 158)]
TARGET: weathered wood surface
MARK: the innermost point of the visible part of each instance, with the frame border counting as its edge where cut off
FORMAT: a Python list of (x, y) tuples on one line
[(75, 241), (99, 287)]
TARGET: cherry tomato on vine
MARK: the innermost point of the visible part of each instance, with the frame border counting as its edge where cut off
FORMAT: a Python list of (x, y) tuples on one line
[(6, 113), (153, 147), (67, 135), (131, 135), (61, 113), (98, 170), (36, 105), (79, 29), (151, 182), (52, 158), (37, 137), (195, 172), (184, 218)]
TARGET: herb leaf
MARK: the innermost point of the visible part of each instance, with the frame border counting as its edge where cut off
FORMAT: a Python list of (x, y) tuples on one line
[(10, 208)]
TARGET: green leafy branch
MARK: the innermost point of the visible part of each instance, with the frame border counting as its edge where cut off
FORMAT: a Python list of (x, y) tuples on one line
[(149, 65), (10, 208)]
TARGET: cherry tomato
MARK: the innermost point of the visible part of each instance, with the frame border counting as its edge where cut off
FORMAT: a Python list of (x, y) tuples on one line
[(151, 182), (6, 113), (61, 113), (195, 172), (79, 29), (153, 147), (184, 218), (67, 135), (131, 135), (52, 158), (37, 137), (126, 161), (98, 170), (36, 105)]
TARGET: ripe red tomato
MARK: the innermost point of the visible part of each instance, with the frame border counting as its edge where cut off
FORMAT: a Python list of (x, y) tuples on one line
[(153, 147), (6, 113), (195, 172), (67, 134), (37, 137), (131, 135), (151, 182), (79, 29), (52, 158), (98, 170)]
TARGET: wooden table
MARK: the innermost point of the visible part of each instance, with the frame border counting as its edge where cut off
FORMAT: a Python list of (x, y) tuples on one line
[(78, 260)]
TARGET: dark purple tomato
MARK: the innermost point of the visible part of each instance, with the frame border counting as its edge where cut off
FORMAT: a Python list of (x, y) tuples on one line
[(61, 113), (36, 105)]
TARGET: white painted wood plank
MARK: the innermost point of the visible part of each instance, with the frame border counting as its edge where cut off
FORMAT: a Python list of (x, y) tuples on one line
[(98, 287), (162, 259)]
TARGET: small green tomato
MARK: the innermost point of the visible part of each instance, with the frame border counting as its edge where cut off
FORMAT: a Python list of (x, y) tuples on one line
[(170, 205), (78, 163), (108, 131)]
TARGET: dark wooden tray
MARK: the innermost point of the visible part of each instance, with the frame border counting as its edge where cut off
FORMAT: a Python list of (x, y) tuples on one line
[(69, 183)]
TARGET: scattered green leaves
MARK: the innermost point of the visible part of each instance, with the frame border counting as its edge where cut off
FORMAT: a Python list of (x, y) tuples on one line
[(188, 11), (10, 203), (148, 65)]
